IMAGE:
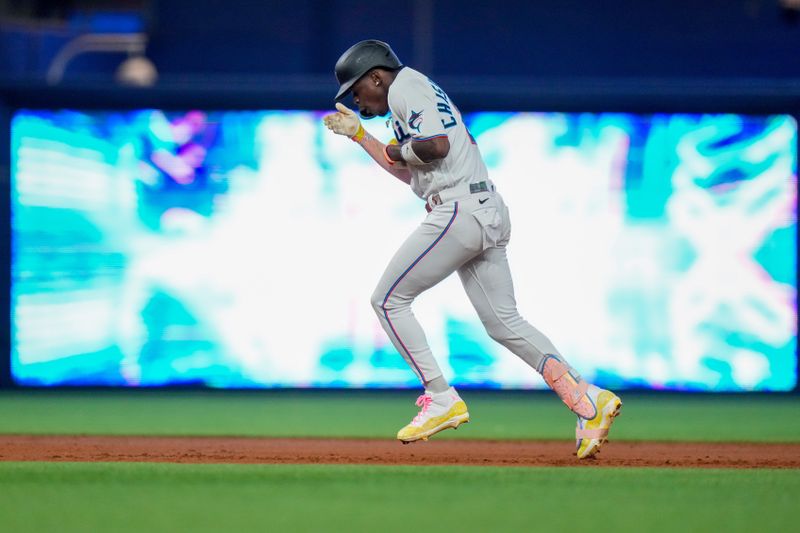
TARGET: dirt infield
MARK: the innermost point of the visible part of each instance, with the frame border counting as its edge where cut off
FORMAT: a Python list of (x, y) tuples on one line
[(389, 452)]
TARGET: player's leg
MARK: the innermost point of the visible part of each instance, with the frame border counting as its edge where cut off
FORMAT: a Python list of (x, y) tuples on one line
[(439, 246), (487, 281), (430, 254)]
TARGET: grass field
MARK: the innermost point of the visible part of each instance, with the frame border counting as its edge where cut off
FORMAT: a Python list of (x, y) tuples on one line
[(379, 414), (172, 497), (164, 497)]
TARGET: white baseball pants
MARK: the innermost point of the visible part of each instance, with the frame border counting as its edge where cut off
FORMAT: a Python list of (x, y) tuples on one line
[(468, 235)]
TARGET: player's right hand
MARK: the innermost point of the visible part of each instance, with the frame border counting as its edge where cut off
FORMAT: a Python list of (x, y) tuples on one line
[(343, 122)]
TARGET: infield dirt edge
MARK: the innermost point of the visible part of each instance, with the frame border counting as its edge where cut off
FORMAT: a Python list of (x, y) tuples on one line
[(259, 450)]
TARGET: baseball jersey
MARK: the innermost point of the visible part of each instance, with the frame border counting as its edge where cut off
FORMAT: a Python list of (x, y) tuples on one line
[(421, 110)]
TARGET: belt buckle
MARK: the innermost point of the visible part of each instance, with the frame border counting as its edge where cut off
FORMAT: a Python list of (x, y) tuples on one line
[(436, 199)]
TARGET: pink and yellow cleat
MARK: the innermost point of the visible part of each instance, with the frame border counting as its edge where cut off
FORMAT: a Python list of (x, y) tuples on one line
[(592, 433), (437, 412), (596, 408)]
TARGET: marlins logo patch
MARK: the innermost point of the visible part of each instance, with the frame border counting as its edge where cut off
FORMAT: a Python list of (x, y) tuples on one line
[(415, 120)]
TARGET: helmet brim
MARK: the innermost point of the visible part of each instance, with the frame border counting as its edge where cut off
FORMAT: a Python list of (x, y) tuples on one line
[(346, 87)]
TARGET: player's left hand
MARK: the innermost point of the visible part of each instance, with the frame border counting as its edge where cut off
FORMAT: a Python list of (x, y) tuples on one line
[(343, 122)]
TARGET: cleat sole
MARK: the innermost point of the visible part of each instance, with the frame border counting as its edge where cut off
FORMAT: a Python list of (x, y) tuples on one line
[(452, 423)]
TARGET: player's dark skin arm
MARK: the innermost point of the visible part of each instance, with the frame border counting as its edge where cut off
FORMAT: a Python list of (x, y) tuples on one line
[(375, 150), (429, 151)]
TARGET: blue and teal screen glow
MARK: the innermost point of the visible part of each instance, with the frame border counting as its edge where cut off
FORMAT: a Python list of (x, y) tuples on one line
[(240, 249)]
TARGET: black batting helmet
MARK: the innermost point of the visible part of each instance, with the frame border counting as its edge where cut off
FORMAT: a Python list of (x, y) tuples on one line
[(360, 59)]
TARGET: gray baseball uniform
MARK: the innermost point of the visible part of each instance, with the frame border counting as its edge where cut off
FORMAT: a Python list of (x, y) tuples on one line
[(467, 230)]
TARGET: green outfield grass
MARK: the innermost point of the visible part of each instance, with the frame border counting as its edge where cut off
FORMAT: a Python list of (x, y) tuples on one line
[(380, 414), (166, 497)]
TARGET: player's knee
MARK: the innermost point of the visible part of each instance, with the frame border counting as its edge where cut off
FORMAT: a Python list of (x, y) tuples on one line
[(377, 300), (383, 302)]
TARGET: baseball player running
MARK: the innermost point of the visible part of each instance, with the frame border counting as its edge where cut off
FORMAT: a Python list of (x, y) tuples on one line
[(466, 230)]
